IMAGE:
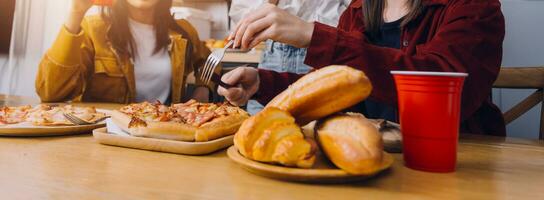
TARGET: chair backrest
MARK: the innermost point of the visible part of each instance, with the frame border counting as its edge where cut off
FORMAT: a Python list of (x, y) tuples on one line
[(523, 78)]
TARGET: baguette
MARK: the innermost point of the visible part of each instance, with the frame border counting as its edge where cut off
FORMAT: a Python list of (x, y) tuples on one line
[(323, 92), (351, 142), (272, 136)]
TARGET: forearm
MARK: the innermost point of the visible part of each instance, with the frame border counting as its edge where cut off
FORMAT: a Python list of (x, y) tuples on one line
[(56, 83), (449, 51), (73, 23), (273, 83)]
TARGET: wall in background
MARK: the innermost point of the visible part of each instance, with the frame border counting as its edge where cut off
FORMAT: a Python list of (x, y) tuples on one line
[(523, 46), (217, 9)]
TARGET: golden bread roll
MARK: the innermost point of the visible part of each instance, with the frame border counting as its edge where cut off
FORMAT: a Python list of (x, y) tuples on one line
[(351, 142), (323, 92), (273, 136)]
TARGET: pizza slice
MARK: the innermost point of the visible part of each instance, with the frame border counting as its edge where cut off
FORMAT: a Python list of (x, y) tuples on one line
[(48, 115), (190, 121), (13, 115)]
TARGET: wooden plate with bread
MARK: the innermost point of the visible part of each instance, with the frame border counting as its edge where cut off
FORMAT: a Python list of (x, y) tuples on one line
[(272, 143), (322, 172)]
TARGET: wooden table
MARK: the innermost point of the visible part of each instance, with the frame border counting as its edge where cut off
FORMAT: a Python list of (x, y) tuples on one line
[(77, 167)]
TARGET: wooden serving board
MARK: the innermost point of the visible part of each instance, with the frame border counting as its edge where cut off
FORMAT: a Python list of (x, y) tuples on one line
[(28, 130), (161, 145), (322, 172)]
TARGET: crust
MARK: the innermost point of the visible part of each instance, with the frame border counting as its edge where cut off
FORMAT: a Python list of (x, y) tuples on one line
[(272, 136), (161, 130), (220, 127), (323, 92), (217, 128), (351, 142)]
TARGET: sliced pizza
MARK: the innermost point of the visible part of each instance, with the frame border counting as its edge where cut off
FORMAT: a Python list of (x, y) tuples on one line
[(13, 115), (46, 115), (190, 121)]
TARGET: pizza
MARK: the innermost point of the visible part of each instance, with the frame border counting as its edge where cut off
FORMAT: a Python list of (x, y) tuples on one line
[(47, 115), (190, 121), (13, 115)]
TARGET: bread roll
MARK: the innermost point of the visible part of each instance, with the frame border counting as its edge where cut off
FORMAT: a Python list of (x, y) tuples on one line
[(351, 142), (273, 136), (323, 92)]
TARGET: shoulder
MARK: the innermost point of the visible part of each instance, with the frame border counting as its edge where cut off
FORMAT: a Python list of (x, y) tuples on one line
[(462, 3), (475, 8), (186, 25), (189, 28)]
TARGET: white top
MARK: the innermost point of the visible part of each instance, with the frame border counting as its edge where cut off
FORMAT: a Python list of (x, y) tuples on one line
[(153, 73), (323, 11)]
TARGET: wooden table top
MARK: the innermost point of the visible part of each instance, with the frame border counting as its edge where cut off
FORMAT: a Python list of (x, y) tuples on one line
[(76, 167)]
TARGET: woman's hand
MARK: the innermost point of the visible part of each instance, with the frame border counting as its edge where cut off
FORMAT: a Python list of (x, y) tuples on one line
[(270, 22), (77, 13), (201, 94), (248, 80)]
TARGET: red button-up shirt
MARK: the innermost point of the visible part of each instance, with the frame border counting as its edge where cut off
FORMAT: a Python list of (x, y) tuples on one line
[(448, 36)]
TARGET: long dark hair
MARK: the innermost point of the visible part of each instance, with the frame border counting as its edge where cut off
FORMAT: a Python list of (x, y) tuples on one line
[(120, 36), (373, 13)]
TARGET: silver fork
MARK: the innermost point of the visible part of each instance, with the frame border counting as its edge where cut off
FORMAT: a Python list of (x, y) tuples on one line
[(207, 74), (78, 121)]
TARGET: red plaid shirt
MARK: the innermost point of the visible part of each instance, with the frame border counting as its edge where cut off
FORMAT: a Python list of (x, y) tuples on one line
[(449, 36)]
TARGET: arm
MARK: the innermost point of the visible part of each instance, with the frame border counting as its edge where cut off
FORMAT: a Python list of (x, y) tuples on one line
[(469, 40), (273, 83), (63, 70)]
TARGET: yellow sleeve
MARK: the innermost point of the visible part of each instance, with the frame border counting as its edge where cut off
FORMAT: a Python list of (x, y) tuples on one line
[(62, 71)]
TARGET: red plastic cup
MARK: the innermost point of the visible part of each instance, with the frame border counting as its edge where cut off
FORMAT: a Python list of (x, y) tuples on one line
[(103, 2), (429, 109)]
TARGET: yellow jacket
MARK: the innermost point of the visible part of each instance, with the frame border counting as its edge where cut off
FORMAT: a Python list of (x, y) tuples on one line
[(84, 67)]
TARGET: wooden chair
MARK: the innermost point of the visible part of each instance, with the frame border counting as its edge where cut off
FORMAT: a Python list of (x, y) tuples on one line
[(523, 78)]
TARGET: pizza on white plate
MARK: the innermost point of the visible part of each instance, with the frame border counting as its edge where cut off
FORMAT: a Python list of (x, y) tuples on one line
[(190, 121), (47, 115), (13, 115)]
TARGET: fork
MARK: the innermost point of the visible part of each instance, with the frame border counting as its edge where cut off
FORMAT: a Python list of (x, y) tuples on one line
[(78, 121), (207, 74)]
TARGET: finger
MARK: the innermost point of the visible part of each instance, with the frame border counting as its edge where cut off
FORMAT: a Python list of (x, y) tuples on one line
[(233, 77), (234, 94), (221, 91), (253, 29), (239, 101), (231, 36), (261, 12), (260, 37)]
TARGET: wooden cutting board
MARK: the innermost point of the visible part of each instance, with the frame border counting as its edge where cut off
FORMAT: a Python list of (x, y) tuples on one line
[(322, 172), (161, 145)]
